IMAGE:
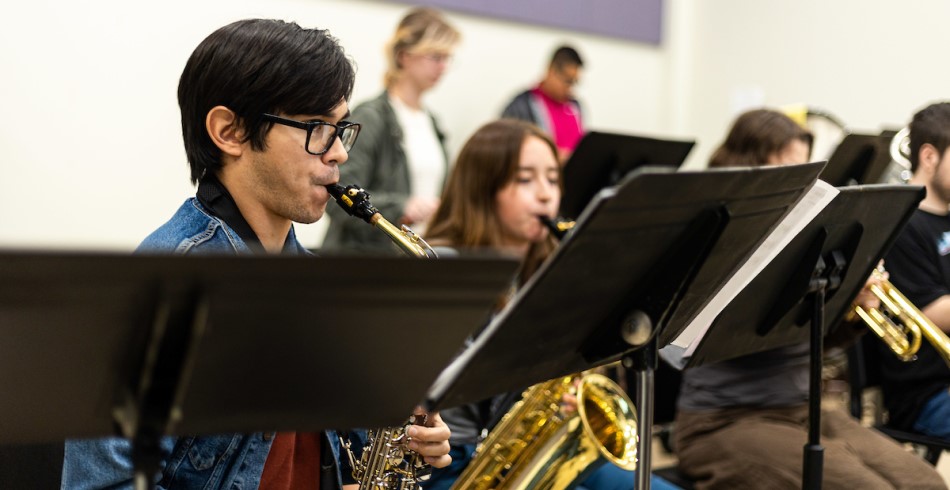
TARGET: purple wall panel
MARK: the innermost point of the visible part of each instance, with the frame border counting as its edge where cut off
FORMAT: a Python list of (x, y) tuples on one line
[(635, 20)]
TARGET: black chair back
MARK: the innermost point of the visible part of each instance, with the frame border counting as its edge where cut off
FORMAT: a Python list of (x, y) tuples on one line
[(864, 361)]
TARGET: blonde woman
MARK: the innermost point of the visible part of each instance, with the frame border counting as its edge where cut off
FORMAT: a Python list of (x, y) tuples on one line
[(401, 158)]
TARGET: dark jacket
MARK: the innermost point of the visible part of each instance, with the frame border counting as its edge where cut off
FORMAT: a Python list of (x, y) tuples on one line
[(529, 107)]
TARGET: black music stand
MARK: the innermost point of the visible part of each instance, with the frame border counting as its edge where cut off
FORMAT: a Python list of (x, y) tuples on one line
[(640, 254), (603, 159), (859, 159), (147, 346), (843, 244)]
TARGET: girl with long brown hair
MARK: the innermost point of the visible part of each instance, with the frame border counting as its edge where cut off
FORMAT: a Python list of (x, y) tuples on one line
[(506, 176)]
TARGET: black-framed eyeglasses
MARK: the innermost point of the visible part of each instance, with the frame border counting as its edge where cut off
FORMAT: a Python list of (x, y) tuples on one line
[(321, 134)]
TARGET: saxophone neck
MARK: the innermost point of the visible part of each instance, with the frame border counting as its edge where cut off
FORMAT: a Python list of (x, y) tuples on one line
[(355, 201), (407, 240)]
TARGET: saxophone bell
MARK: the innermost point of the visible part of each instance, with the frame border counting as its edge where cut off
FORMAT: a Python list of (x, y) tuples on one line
[(355, 201), (558, 226), (537, 447)]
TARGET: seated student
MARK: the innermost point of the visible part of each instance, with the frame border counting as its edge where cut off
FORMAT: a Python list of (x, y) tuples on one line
[(742, 423), (506, 176), (262, 140), (917, 394)]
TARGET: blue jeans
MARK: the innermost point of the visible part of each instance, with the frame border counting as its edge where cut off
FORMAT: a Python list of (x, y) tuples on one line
[(607, 477), (934, 418)]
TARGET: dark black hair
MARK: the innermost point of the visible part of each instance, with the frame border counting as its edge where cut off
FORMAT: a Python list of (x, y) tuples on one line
[(566, 56), (930, 125), (253, 67)]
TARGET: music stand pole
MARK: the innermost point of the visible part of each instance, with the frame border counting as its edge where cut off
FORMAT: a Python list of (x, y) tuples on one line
[(813, 453), (644, 362)]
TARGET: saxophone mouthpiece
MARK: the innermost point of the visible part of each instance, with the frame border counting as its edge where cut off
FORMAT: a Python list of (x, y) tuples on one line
[(354, 200), (558, 226), (335, 190)]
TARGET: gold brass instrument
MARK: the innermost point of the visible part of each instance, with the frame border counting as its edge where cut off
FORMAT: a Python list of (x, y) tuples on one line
[(534, 446), (387, 463), (903, 339), (900, 152), (355, 201), (827, 129), (558, 226)]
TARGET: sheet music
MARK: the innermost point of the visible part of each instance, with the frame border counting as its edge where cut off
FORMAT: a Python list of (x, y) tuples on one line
[(816, 199)]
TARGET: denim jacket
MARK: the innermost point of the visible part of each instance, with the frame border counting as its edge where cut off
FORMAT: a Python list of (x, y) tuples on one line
[(228, 461)]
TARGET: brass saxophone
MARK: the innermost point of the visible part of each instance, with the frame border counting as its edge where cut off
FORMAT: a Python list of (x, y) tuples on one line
[(387, 463), (534, 446)]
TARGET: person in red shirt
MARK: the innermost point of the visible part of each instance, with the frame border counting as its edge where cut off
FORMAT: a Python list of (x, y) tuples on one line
[(551, 104)]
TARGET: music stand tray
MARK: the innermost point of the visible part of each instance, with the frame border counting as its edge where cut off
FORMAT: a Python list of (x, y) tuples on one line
[(771, 311), (103, 345), (604, 159), (815, 276), (858, 159), (660, 242)]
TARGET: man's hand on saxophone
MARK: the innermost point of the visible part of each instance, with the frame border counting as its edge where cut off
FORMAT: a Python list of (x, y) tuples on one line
[(431, 440)]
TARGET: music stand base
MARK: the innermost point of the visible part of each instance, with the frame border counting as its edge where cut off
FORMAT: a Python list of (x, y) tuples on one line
[(814, 463)]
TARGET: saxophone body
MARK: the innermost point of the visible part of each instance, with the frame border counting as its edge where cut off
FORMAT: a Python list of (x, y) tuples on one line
[(535, 446), (386, 463)]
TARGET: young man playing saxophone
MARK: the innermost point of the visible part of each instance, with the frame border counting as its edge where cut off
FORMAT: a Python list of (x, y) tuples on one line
[(263, 104)]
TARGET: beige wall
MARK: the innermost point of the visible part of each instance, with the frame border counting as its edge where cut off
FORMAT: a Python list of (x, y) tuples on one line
[(871, 62), (90, 141)]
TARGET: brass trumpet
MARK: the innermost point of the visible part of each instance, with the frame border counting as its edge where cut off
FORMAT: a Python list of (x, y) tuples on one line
[(904, 339)]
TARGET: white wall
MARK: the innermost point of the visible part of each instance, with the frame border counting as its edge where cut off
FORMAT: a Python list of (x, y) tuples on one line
[(871, 62), (90, 144)]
